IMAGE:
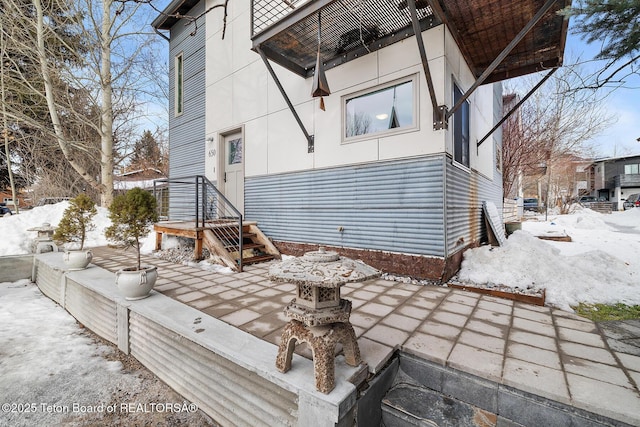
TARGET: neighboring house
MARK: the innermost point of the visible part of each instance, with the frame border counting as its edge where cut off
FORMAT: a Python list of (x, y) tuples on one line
[(615, 178), (387, 171), (6, 197), (142, 178)]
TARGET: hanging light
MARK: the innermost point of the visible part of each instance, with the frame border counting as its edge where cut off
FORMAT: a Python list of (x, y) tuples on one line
[(320, 86)]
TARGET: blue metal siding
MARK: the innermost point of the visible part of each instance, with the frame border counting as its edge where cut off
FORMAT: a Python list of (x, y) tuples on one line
[(187, 131), (393, 206), (466, 190)]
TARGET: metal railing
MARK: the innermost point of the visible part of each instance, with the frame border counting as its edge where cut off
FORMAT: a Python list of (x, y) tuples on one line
[(196, 200)]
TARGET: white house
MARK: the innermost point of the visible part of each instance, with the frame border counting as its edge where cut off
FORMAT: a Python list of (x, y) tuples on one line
[(395, 168)]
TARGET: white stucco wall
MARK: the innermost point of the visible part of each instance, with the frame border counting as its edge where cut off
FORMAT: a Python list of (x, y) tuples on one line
[(241, 93)]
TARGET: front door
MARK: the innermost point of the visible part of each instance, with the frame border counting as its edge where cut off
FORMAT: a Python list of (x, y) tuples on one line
[(233, 171)]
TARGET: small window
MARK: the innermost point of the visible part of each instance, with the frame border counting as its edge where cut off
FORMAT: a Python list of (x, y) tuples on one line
[(179, 84), (631, 169), (460, 129), (385, 110), (235, 151)]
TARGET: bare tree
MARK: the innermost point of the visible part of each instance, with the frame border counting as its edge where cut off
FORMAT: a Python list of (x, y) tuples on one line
[(86, 97), (109, 75), (554, 123)]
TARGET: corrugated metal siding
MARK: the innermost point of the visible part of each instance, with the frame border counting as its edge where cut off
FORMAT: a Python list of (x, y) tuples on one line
[(92, 310), (466, 190), (187, 131), (49, 280), (393, 206), (232, 395)]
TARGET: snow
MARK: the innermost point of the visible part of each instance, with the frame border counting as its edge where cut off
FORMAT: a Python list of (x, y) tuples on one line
[(600, 265), (48, 362)]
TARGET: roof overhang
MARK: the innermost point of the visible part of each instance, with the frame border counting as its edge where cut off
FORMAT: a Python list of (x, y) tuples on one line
[(287, 31), (171, 14)]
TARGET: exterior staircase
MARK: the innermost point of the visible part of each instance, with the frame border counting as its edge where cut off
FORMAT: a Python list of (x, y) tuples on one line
[(222, 239), (193, 207)]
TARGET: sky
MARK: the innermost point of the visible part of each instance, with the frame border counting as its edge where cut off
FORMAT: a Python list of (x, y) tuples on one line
[(620, 138), (601, 264)]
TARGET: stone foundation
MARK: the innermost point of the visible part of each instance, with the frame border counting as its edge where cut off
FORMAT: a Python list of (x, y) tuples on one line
[(417, 266)]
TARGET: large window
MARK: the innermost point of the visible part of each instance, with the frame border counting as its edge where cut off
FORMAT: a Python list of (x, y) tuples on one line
[(460, 129), (385, 110), (631, 169), (179, 84)]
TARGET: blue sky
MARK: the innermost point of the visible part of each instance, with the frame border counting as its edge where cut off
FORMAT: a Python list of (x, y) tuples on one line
[(624, 103)]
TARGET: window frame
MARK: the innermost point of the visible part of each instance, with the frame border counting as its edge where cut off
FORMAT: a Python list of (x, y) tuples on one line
[(178, 71), (464, 112), (414, 126), (630, 165)]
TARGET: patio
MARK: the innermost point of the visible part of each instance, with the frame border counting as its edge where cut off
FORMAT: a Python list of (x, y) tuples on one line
[(548, 353)]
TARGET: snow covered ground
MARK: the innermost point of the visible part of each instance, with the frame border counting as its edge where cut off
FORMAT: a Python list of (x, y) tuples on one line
[(44, 352), (601, 264)]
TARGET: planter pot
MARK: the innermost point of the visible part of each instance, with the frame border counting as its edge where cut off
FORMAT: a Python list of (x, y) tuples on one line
[(136, 284), (511, 227), (77, 260)]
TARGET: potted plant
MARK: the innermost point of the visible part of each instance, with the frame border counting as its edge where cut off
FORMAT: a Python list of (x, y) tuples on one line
[(72, 230), (132, 214)]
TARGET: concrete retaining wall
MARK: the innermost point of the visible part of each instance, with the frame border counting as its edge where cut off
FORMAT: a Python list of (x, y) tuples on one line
[(15, 267), (228, 373)]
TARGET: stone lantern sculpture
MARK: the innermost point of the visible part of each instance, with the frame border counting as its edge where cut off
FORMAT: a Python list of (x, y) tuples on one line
[(44, 241), (319, 317)]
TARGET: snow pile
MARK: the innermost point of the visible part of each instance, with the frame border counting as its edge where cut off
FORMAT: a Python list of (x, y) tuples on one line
[(16, 240), (600, 265)]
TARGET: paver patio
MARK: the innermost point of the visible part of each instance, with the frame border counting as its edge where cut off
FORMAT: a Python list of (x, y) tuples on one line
[(544, 351)]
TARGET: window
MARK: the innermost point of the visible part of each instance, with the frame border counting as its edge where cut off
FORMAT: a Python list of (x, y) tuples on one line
[(631, 169), (385, 110), (235, 151), (460, 129), (179, 84)]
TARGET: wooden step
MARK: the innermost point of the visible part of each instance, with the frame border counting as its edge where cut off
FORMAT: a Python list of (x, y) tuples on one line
[(257, 259), (233, 246)]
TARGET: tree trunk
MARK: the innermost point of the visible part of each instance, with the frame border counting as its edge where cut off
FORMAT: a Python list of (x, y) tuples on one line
[(5, 126), (53, 110), (106, 137)]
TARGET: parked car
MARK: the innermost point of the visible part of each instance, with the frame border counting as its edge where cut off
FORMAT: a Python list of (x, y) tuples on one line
[(633, 201), (530, 204), (4, 210), (51, 200), (587, 200)]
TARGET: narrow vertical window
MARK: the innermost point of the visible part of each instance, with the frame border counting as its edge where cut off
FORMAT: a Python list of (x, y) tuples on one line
[(460, 129), (179, 84)]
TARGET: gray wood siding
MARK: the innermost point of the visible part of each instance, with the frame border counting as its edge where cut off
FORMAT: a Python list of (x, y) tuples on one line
[(394, 206), (187, 131)]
